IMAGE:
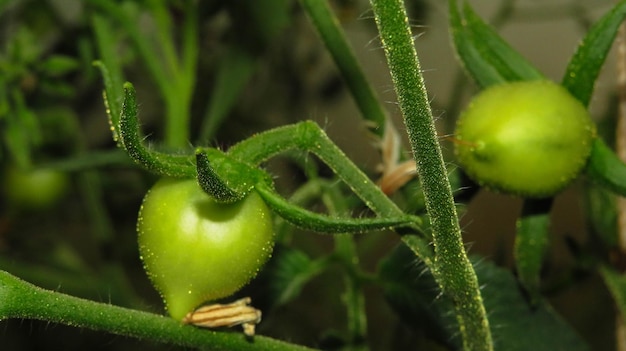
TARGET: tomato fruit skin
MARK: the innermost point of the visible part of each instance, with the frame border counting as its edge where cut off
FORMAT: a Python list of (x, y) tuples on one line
[(195, 249), (529, 139)]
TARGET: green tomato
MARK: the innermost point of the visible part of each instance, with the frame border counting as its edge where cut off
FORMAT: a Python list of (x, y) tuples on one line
[(34, 189), (530, 138), (195, 249)]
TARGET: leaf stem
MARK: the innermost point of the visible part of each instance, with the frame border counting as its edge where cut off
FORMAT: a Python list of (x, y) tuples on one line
[(330, 31), (452, 269)]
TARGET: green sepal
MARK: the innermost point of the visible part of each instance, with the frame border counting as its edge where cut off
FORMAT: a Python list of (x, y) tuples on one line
[(224, 178), (585, 65), (606, 169), (113, 98), (178, 166), (487, 57)]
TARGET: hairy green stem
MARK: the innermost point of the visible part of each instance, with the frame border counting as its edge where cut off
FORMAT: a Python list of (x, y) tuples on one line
[(531, 244), (19, 299), (452, 269), (310, 137)]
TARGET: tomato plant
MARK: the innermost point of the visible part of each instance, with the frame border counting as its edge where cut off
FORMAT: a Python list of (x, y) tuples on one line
[(527, 138), (196, 249)]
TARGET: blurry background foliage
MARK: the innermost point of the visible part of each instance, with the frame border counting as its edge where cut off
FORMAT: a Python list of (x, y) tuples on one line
[(83, 242)]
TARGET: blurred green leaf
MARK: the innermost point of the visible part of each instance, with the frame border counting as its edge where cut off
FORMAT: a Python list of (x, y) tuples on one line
[(484, 54), (234, 70), (515, 324), (58, 65), (57, 88), (22, 131), (584, 67), (329, 29)]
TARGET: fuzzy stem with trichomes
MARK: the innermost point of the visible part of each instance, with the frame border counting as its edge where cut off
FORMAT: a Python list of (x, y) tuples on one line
[(310, 137), (242, 174), (452, 269), (19, 299)]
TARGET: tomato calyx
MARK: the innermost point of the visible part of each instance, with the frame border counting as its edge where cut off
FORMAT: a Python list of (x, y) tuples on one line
[(224, 178)]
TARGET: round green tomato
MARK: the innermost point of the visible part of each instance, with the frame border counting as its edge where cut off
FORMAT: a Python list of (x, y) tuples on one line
[(34, 189), (525, 138), (195, 249)]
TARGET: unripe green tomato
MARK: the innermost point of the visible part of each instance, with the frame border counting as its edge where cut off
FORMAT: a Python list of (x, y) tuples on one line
[(195, 249), (35, 189), (529, 138)]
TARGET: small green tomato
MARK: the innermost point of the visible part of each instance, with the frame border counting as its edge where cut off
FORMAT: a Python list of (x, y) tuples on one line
[(33, 189), (530, 138), (195, 249)]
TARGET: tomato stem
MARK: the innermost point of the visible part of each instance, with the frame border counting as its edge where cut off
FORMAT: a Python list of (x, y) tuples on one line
[(24, 300), (452, 269)]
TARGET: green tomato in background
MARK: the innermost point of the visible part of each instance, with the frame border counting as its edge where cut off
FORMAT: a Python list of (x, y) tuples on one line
[(195, 249), (530, 138), (33, 189)]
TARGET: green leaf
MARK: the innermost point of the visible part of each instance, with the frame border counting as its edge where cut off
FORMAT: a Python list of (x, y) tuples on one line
[(487, 57), (516, 325), (606, 169), (413, 293), (584, 67)]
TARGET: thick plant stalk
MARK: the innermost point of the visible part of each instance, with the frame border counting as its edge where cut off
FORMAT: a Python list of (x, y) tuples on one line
[(19, 299), (452, 269)]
